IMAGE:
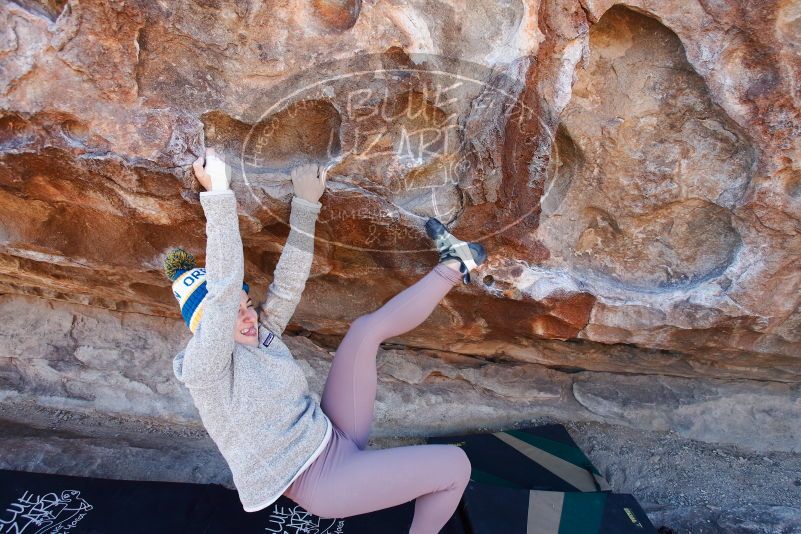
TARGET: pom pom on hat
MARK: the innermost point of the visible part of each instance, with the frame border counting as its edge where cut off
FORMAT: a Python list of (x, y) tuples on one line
[(188, 285), (178, 261)]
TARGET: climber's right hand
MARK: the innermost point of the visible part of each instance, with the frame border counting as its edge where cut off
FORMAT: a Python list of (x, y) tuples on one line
[(216, 175)]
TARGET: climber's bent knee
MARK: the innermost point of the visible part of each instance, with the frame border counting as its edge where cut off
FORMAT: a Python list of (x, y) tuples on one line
[(462, 467), (368, 324)]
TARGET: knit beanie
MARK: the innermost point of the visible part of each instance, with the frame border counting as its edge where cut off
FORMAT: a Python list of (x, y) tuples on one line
[(188, 285)]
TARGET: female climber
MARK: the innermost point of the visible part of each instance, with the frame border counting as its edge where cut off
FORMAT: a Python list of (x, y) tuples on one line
[(253, 397)]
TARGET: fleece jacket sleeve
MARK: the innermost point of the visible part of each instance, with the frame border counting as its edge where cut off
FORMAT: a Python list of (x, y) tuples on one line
[(293, 267), (209, 352)]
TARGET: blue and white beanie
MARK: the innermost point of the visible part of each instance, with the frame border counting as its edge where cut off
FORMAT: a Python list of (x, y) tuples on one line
[(188, 285)]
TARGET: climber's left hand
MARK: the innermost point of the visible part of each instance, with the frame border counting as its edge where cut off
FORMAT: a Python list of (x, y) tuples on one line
[(309, 181)]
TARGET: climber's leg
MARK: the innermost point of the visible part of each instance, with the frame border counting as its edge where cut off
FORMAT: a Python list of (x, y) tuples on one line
[(350, 389), (347, 481)]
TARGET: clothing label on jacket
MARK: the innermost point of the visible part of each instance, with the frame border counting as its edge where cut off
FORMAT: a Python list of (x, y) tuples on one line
[(268, 339)]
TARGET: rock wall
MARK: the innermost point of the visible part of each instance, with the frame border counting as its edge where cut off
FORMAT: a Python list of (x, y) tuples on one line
[(633, 169)]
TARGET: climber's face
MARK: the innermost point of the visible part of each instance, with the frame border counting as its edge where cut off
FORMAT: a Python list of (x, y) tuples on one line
[(246, 330)]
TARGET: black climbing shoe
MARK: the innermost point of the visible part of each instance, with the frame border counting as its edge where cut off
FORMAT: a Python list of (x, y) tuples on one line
[(470, 255)]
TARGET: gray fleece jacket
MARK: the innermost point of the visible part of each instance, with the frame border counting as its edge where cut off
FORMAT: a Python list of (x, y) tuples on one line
[(254, 401)]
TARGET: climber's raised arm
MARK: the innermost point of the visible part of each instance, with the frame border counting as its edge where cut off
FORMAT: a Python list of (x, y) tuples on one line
[(292, 269), (208, 353)]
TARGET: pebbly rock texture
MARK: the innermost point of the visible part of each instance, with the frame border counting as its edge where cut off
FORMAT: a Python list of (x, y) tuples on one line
[(633, 170), (76, 357)]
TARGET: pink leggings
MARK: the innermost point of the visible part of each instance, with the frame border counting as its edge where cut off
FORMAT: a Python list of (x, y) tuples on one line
[(346, 479)]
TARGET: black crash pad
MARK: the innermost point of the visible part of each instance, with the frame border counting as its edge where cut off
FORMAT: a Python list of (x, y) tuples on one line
[(36, 503)]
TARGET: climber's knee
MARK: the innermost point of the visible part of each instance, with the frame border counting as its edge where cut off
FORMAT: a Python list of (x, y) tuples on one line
[(462, 467), (367, 324)]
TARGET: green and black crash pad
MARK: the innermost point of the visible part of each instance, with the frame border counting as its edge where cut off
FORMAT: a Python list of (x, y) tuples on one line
[(490, 509), (36, 503), (543, 457)]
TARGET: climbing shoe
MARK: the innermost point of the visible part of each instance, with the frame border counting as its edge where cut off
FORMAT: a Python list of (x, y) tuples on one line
[(470, 255)]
